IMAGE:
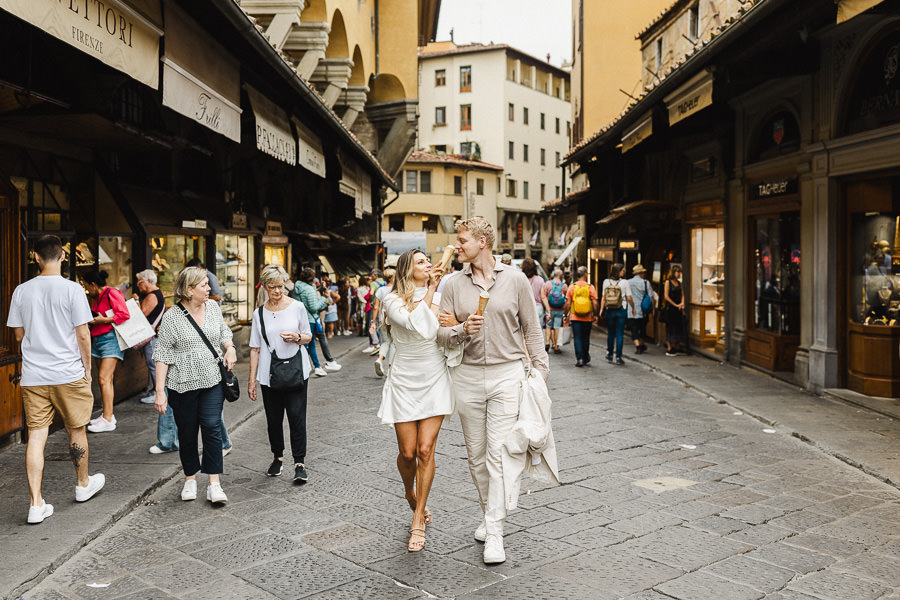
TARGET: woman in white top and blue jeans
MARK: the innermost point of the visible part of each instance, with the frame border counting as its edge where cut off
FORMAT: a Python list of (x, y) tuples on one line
[(186, 367), (287, 330)]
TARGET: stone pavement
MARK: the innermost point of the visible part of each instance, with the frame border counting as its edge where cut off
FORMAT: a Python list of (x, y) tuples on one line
[(666, 493)]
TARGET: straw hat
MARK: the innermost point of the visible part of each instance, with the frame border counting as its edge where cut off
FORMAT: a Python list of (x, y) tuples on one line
[(638, 269)]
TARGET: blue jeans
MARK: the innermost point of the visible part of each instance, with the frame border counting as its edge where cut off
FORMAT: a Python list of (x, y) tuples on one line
[(167, 431), (151, 364), (581, 339), (199, 411), (615, 331)]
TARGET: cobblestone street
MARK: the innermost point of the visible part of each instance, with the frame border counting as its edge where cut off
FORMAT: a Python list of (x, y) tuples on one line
[(665, 494)]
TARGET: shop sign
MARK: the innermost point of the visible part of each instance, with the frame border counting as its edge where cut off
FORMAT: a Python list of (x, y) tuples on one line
[(275, 240), (690, 98), (273, 228), (518, 246), (638, 133), (273, 133), (109, 30), (628, 245), (195, 224), (239, 221), (309, 146), (774, 188), (191, 97)]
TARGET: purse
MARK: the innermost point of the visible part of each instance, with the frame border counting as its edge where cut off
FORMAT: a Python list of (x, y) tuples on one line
[(230, 387), (284, 373)]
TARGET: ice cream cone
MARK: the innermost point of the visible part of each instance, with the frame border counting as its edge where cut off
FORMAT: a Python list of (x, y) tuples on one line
[(482, 302), (445, 259)]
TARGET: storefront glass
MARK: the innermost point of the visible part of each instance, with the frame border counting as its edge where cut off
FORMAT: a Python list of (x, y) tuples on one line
[(234, 268), (115, 258), (276, 255), (170, 253), (875, 269), (708, 285), (777, 274)]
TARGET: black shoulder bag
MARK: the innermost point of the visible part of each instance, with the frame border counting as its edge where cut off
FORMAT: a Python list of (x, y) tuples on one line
[(284, 373), (230, 387)]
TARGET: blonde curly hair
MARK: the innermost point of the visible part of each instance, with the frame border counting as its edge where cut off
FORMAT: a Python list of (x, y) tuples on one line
[(478, 227)]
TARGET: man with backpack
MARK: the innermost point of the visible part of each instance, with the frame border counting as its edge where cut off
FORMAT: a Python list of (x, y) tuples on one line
[(581, 306), (553, 296), (614, 297), (643, 300)]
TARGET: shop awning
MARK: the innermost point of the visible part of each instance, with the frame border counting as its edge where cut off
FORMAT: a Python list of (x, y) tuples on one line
[(309, 155), (569, 249), (122, 35), (690, 98), (637, 134), (273, 131), (162, 212), (621, 211), (200, 79), (847, 9), (343, 265)]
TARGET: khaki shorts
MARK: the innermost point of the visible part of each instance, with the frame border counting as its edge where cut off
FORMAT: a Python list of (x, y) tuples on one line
[(73, 401)]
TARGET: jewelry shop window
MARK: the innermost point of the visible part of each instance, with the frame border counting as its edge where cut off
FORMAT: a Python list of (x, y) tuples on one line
[(776, 293), (707, 296), (170, 253), (875, 269), (234, 268)]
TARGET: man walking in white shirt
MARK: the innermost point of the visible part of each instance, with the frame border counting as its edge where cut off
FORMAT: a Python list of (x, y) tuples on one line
[(487, 383), (50, 315)]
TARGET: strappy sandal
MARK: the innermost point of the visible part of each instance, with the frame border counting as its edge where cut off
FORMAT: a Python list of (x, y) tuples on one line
[(417, 545), (427, 517)]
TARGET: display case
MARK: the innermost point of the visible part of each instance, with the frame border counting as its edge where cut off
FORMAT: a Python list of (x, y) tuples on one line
[(234, 268), (707, 291), (169, 253), (115, 257)]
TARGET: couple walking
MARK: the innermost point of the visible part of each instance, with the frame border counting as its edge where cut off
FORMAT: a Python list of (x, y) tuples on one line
[(432, 333)]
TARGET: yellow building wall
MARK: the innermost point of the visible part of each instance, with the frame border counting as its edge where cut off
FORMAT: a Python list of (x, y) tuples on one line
[(398, 59), (610, 57)]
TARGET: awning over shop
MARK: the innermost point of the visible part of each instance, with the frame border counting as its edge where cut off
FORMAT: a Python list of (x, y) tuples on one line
[(569, 249), (847, 9), (200, 79), (637, 134), (621, 211), (310, 155), (163, 212), (122, 35), (273, 131), (690, 98), (357, 184), (345, 265)]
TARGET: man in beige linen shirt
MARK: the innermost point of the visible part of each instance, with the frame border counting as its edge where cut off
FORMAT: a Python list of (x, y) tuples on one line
[(486, 384)]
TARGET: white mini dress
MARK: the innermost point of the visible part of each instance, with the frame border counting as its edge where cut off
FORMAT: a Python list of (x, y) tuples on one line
[(417, 385)]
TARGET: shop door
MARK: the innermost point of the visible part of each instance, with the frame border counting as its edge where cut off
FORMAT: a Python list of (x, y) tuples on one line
[(11, 410)]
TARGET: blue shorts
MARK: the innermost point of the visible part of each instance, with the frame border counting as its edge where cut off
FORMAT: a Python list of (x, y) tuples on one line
[(556, 318), (106, 345), (331, 317)]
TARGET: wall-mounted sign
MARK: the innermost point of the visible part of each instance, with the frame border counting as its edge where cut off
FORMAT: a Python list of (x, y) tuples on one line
[(638, 133), (774, 188), (309, 150), (628, 245), (195, 224), (239, 220), (186, 94), (273, 228), (273, 132), (110, 31), (691, 98)]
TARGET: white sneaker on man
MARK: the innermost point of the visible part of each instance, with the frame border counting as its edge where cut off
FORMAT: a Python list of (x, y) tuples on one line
[(332, 366), (189, 491), (481, 532), (95, 484), (102, 425), (493, 549), (215, 493), (37, 514), (149, 398), (319, 372)]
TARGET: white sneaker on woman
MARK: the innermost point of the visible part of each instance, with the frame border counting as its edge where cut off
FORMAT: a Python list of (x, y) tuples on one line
[(319, 372), (332, 365), (215, 493), (189, 491)]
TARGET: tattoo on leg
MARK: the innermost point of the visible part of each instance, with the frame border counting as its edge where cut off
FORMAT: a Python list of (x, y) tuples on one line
[(76, 453)]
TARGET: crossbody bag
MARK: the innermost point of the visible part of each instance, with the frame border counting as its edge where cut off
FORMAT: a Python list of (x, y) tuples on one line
[(284, 373), (230, 387)]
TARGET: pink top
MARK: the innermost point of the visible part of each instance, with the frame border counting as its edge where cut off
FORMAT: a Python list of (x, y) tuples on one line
[(537, 282), (109, 298)]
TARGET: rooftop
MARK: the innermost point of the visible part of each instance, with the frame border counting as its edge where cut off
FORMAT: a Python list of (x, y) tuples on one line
[(423, 157), (447, 48)]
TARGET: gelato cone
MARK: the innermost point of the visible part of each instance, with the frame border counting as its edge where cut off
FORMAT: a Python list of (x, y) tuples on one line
[(482, 302), (445, 259)]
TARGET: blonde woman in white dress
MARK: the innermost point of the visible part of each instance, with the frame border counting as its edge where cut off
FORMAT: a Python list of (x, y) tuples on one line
[(417, 393)]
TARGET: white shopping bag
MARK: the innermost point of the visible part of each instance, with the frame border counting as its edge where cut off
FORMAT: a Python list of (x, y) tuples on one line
[(565, 335), (135, 330)]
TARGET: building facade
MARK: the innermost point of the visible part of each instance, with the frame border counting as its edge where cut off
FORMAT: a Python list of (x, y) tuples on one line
[(770, 149), (524, 128)]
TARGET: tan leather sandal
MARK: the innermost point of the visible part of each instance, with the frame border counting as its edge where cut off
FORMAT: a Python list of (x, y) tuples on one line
[(416, 539)]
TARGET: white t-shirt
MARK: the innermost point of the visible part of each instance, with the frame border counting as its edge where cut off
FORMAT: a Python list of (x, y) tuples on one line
[(383, 291), (49, 308), (292, 318)]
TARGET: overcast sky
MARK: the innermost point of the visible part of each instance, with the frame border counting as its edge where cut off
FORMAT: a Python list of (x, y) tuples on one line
[(534, 26)]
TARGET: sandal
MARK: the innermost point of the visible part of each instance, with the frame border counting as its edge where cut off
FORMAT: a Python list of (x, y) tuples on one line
[(416, 545), (427, 517)]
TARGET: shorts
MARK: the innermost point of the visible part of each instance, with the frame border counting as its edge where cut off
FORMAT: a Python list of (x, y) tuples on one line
[(637, 327), (106, 345), (331, 316), (73, 401), (556, 318)]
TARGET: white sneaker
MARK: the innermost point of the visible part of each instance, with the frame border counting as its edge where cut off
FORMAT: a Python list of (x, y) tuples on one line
[(102, 425), (149, 398), (37, 514), (369, 350), (155, 449), (332, 366), (379, 368), (481, 532), (189, 491), (347, 333), (215, 494), (95, 484), (493, 549), (319, 372), (225, 451)]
